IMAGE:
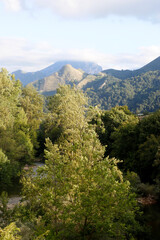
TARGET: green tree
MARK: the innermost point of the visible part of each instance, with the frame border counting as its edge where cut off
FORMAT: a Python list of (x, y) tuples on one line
[(147, 155), (78, 193), (14, 137), (111, 121), (10, 91), (32, 103), (124, 145), (18, 126), (11, 232)]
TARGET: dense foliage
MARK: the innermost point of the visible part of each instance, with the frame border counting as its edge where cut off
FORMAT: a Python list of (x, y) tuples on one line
[(21, 110), (140, 93), (82, 191), (79, 194), (135, 140)]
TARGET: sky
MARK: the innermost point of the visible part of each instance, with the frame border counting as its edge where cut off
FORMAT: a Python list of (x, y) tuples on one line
[(120, 34)]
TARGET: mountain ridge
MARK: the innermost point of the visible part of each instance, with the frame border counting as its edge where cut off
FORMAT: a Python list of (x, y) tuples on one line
[(140, 92), (124, 74), (66, 75), (28, 77), (69, 75)]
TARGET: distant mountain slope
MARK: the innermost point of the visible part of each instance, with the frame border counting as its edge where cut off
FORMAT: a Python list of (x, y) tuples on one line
[(123, 74), (152, 66), (138, 89), (26, 78), (139, 93), (66, 75)]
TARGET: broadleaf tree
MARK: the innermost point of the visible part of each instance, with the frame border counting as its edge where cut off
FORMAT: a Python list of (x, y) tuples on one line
[(79, 194)]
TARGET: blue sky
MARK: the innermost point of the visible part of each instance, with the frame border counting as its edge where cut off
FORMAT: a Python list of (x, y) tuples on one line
[(122, 34)]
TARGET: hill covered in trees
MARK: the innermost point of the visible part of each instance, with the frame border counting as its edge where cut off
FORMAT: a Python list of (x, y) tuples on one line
[(123, 74), (140, 93)]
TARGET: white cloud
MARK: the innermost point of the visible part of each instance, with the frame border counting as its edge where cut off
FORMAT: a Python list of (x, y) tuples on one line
[(13, 5), (28, 56), (22, 54), (143, 56), (144, 9)]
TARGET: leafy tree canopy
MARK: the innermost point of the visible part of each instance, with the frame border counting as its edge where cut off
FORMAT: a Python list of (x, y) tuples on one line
[(79, 193)]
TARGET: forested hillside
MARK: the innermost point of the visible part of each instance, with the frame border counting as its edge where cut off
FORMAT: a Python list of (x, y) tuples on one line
[(138, 89), (124, 74), (140, 93)]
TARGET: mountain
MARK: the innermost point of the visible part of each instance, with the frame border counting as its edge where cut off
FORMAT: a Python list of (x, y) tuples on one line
[(88, 67), (152, 66), (138, 89), (124, 74), (26, 78), (66, 75), (140, 93), (121, 74)]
